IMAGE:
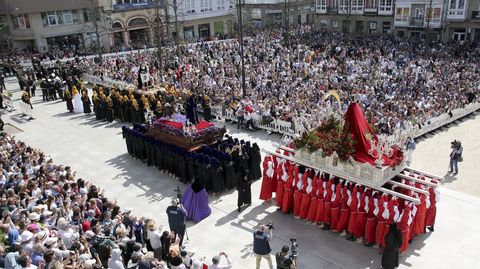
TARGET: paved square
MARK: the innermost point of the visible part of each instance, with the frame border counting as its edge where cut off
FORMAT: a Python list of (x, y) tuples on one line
[(97, 152)]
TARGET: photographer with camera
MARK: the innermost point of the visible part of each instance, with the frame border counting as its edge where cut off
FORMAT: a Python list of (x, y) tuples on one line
[(455, 157), (261, 244), (283, 260), (176, 219)]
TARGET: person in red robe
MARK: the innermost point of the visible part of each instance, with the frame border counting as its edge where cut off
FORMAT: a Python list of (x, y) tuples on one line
[(371, 226), (306, 198), (312, 209), (344, 208), (353, 211), (298, 191), (420, 216), (394, 214), (382, 217), (269, 180), (404, 225), (327, 214), (411, 224), (432, 209), (282, 177), (336, 201), (287, 204), (361, 220), (322, 185)]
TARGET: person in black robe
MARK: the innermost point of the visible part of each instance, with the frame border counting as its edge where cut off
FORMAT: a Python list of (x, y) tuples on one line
[(102, 108), (109, 110), (244, 191), (86, 103), (393, 241), (191, 109), (126, 109), (216, 177), (67, 96)]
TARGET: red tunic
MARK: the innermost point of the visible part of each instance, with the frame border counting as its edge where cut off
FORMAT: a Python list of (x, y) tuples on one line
[(379, 233), (404, 227), (297, 196), (305, 202), (353, 210), (336, 206), (320, 202), (361, 219), (269, 180), (371, 225), (312, 209), (344, 211), (327, 214), (287, 204), (282, 172), (432, 210), (391, 205), (420, 216)]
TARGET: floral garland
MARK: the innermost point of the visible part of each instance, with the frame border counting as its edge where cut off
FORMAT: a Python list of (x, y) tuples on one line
[(191, 132), (330, 138)]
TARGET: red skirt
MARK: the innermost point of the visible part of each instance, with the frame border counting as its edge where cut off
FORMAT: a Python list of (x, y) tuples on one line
[(430, 216), (320, 210), (287, 203), (343, 221), (360, 223), (297, 200), (327, 214), (405, 236), (411, 230), (371, 229), (304, 205), (279, 193), (266, 189), (419, 224), (351, 221), (312, 210), (335, 216), (379, 234)]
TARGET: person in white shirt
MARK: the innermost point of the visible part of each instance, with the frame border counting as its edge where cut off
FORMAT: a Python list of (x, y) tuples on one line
[(216, 262), (154, 235)]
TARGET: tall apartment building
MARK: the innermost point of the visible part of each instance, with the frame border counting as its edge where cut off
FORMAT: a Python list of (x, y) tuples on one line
[(462, 20), (258, 13), (134, 22), (50, 24), (355, 16), (203, 18)]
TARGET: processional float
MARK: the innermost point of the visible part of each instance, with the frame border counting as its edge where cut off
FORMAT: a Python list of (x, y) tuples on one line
[(348, 148)]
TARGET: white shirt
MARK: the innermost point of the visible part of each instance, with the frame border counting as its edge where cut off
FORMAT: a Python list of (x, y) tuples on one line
[(218, 266), (154, 237)]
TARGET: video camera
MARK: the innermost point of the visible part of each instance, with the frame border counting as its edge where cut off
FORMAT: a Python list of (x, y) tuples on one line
[(269, 225), (179, 193), (294, 248)]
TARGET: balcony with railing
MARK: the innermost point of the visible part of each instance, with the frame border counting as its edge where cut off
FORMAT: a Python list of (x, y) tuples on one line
[(416, 21), (371, 8)]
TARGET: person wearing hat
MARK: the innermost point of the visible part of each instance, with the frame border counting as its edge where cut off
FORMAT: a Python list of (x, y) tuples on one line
[(154, 236), (216, 262)]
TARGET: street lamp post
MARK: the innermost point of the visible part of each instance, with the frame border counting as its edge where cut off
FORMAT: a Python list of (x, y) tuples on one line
[(244, 86)]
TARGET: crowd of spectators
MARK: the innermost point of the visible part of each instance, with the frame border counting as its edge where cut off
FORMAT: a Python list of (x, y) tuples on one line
[(51, 219), (397, 81)]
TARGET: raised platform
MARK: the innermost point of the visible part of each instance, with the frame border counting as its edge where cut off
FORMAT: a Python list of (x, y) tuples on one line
[(204, 133)]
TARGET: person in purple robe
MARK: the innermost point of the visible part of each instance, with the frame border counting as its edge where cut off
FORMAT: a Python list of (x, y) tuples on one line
[(195, 201)]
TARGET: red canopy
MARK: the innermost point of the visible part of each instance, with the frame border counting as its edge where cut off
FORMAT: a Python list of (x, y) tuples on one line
[(357, 125)]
